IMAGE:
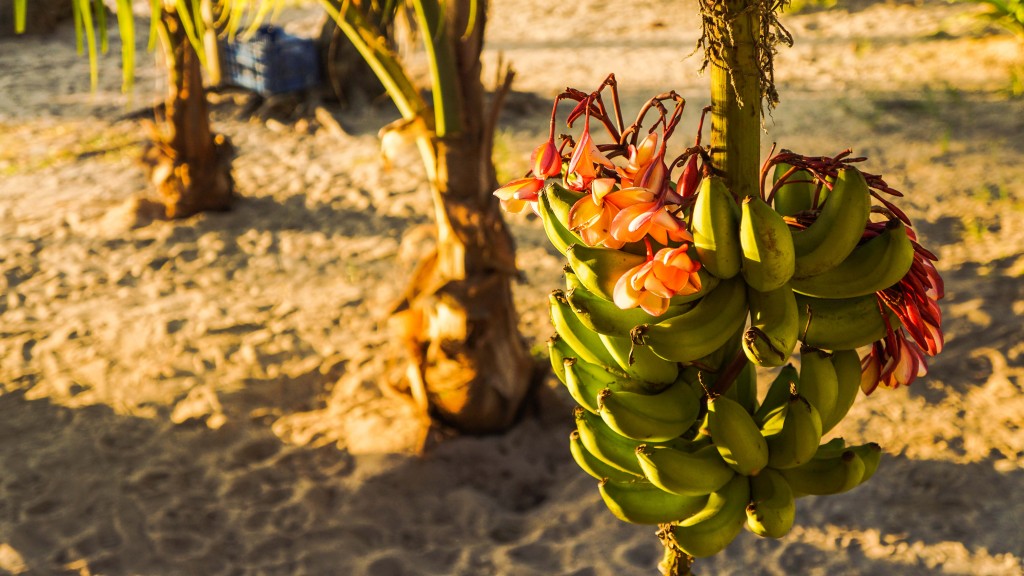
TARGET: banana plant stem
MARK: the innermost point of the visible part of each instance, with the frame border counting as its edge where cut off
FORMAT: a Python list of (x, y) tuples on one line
[(736, 97)]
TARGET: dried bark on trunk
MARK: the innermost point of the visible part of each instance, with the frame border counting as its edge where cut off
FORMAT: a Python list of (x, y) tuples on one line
[(458, 317), (189, 164)]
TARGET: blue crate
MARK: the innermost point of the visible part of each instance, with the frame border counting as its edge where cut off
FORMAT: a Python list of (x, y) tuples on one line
[(272, 61)]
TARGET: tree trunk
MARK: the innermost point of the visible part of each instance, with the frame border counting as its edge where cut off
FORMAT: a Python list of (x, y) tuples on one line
[(189, 165), (736, 98), (459, 317)]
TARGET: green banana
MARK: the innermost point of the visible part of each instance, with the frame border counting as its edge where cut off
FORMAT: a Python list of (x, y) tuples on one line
[(774, 326), (604, 444), (782, 387), (736, 435), (796, 195), (639, 362), (824, 475), (744, 388), (766, 244), (599, 268), (681, 472), (700, 331), (818, 381), (593, 465), (709, 531), (871, 455), (872, 266), (772, 507), (605, 317), (650, 417), (561, 200), (640, 502), (558, 234), (842, 324), (837, 230), (585, 381), (792, 432), (582, 340), (558, 351), (715, 227), (847, 367)]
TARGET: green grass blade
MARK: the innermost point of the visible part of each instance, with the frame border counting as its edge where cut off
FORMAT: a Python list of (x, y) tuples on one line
[(155, 9), (76, 11), (101, 23), (126, 24), (85, 9), (19, 16)]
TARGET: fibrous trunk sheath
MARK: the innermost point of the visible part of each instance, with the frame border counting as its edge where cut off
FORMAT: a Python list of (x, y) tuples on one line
[(459, 314), (189, 165)]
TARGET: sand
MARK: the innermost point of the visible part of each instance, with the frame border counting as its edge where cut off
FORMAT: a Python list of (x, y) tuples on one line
[(207, 396)]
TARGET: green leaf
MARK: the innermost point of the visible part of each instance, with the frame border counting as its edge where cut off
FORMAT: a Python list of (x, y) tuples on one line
[(126, 24), (19, 16)]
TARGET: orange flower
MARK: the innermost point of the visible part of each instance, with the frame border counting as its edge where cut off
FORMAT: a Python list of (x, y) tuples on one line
[(520, 193), (591, 216), (586, 157), (652, 284)]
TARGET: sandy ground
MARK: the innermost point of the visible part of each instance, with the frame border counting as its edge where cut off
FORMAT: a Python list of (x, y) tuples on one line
[(201, 397)]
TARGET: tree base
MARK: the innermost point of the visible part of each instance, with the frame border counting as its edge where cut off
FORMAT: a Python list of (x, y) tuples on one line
[(189, 187)]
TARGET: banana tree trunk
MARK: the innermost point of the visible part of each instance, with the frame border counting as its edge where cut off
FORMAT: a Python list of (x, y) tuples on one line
[(736, 97), (474, 369), (189, 164)]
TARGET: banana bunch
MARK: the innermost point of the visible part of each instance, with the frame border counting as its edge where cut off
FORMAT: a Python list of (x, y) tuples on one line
[(678, 294), (668, 439)]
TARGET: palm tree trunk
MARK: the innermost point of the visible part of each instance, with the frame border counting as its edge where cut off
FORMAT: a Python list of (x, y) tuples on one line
[(474, 365), (188, 163)]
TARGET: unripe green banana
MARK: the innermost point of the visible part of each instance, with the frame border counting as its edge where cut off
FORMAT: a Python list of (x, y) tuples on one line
[(744, 389), (561, 200), (585, 382), (766, 244), (842, 324), (709, 531), (872, 266), (558, 234), (700, 331), (599, 268), (585, 342), (736, 436), (715, 228), (847, 366), (681, 472), (641, 502), (607, 446), (838, 229), (781, 388), (772, 507), (792, 432), (639, 362), (871, 455), (593, 465), (774, 326), (604, 317), (796, 195), (650, 417), (818, 381), (558, 351), (827, 475)]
